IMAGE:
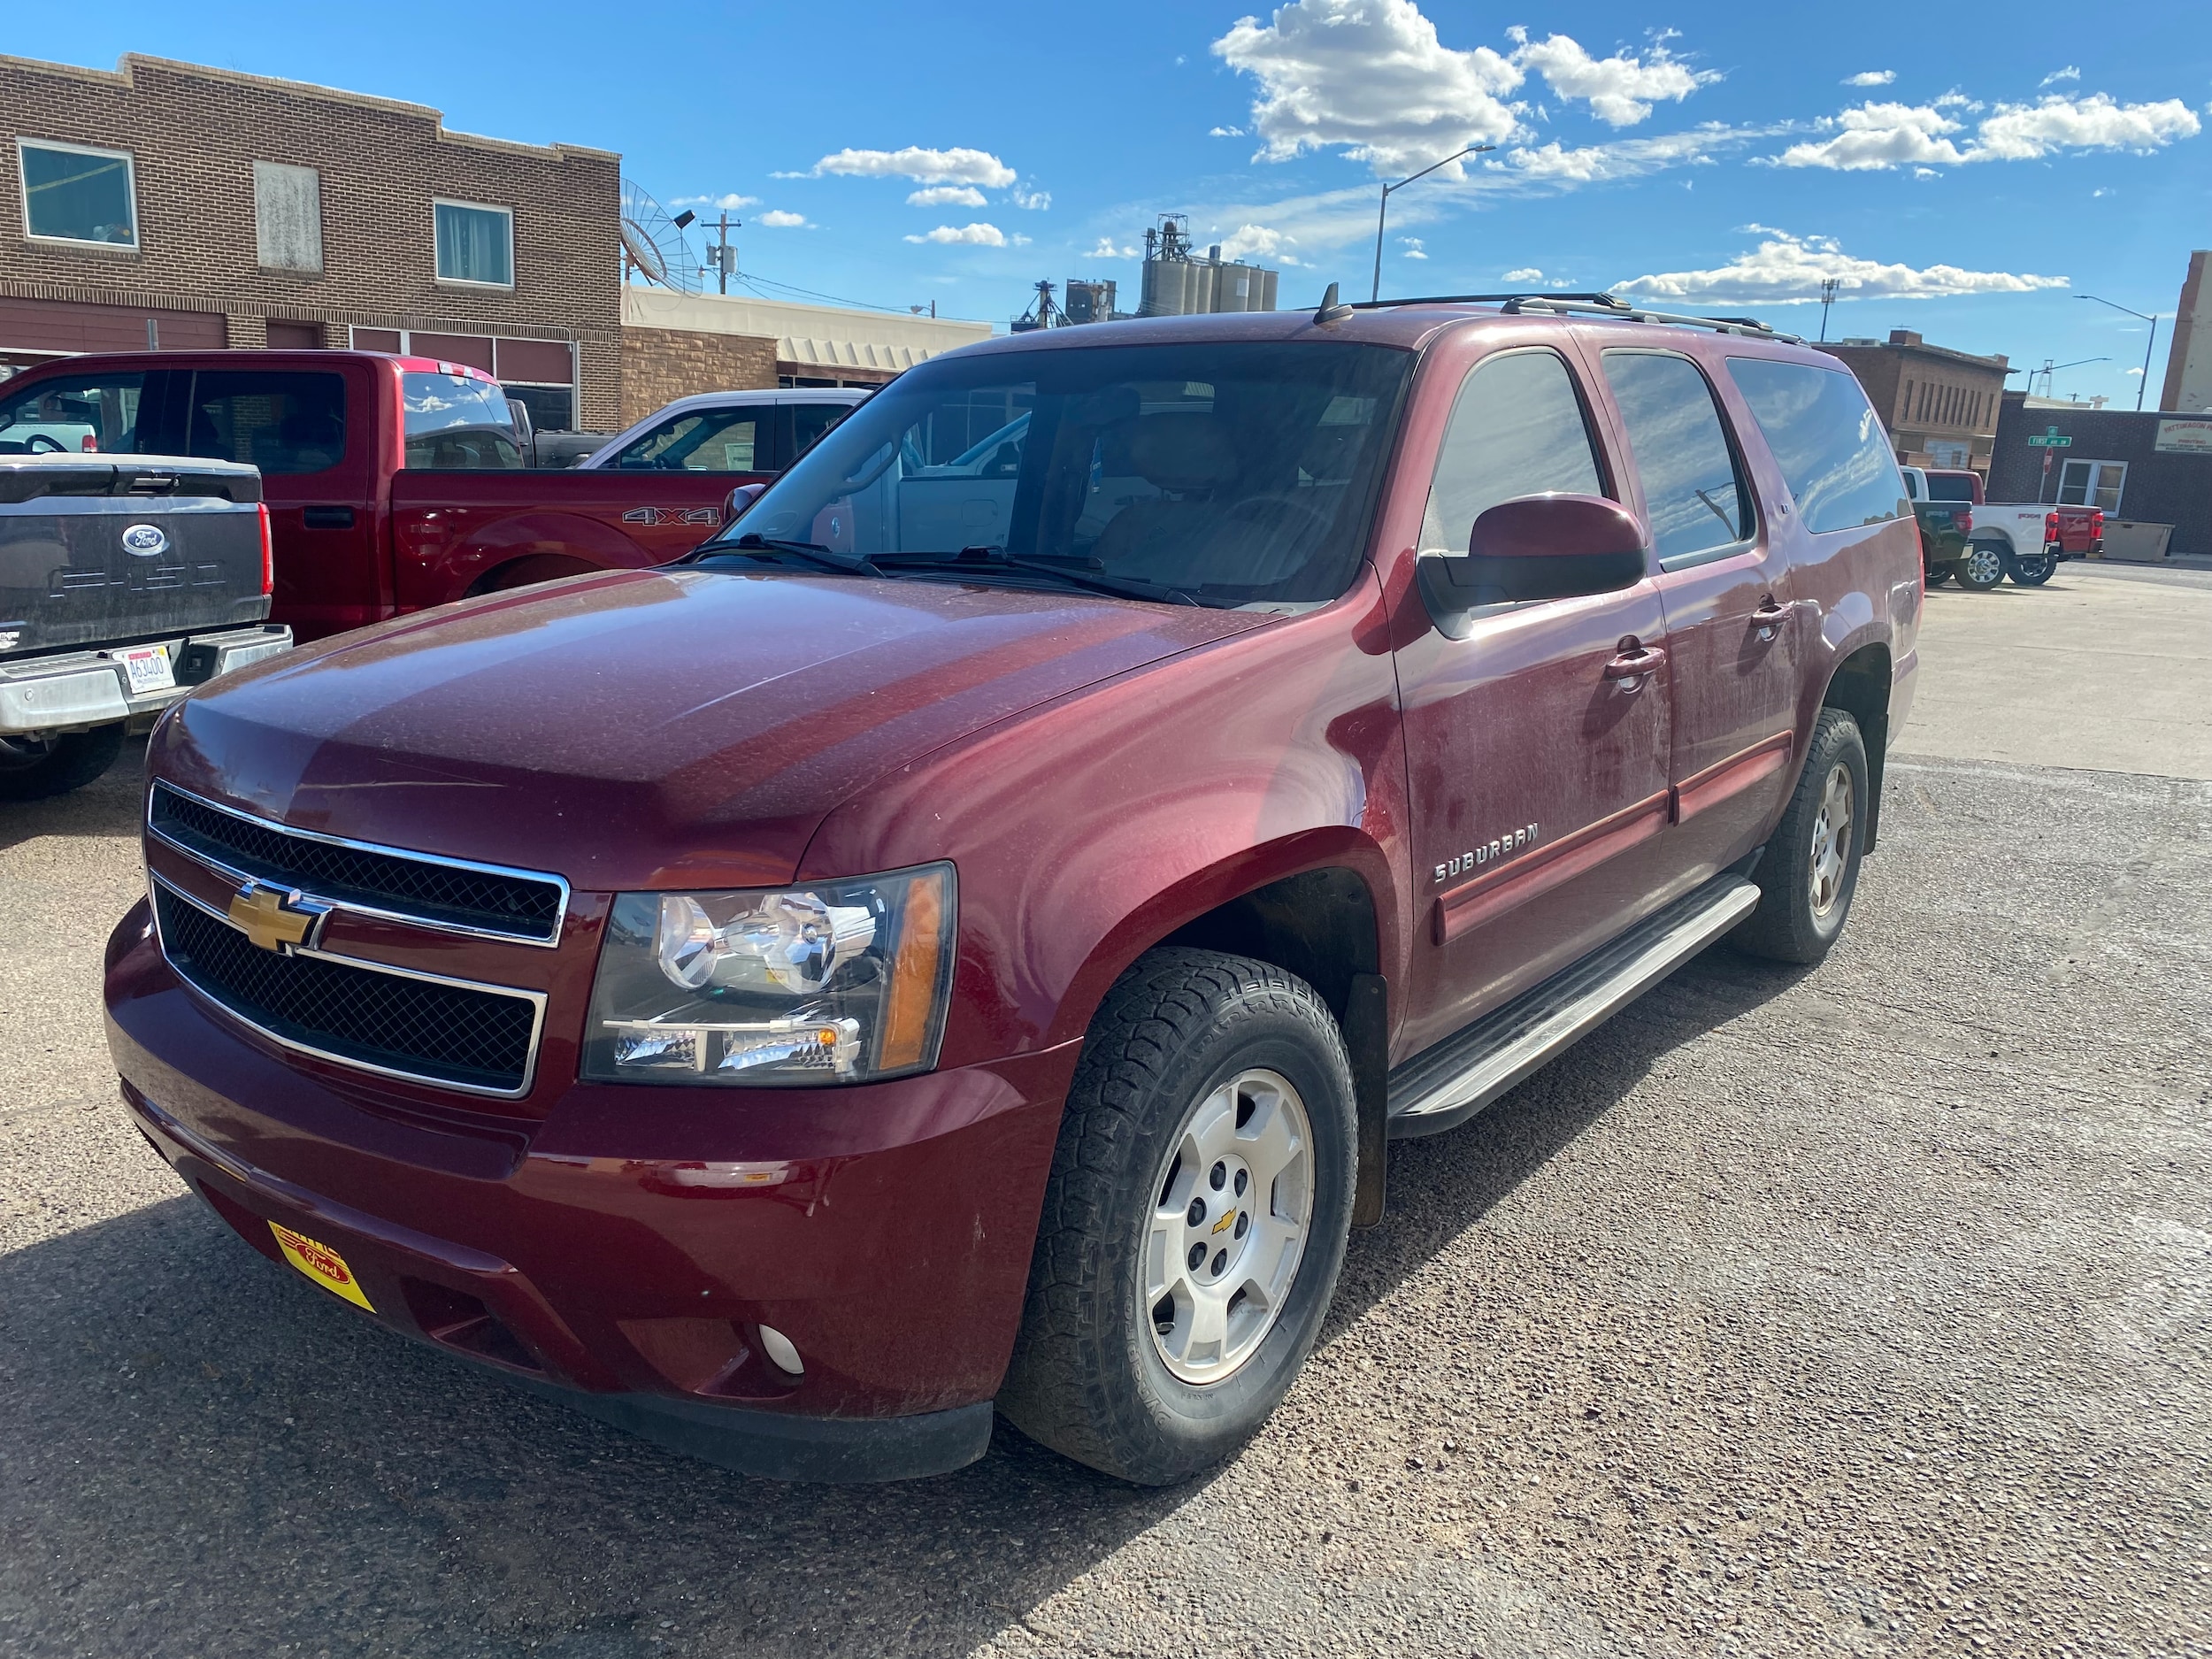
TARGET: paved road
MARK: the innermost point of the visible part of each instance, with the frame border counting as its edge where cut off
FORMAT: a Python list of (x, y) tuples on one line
[(1861, 1312)]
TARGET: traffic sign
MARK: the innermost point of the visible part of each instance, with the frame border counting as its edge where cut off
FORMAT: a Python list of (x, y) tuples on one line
[(2052, 439)]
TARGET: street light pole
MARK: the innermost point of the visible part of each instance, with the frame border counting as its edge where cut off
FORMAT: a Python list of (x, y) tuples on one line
[(1828, 287), (1383, 212), (2148, 345)]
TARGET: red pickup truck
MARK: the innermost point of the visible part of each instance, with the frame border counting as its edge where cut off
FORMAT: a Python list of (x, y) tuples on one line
[(965, 936), (393, 483)]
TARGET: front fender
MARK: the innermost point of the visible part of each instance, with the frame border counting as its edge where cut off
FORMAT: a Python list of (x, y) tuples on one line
[(442, 555), (1088, 830)]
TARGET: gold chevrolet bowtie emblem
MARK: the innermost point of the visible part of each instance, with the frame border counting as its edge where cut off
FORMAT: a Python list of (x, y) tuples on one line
[(265, 917)]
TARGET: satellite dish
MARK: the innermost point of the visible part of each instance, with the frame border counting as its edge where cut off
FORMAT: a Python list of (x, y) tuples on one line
[(653, 244)]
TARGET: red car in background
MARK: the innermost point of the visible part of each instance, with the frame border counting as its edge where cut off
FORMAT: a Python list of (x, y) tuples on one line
[(393, 483)]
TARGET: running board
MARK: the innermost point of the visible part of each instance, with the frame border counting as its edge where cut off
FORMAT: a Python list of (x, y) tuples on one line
[(1448, 1082)]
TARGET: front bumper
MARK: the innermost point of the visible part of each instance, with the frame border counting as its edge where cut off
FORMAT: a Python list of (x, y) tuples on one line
[(624, 1252), (73, 690)]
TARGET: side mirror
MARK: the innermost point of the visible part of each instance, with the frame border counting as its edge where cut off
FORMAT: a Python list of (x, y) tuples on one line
[(1538, 547), (743, 497)]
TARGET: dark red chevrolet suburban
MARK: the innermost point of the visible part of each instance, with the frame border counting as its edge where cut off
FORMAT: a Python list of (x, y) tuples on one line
[(964, 937)]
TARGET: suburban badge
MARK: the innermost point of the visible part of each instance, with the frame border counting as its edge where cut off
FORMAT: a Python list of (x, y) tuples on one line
[(1487, 852)]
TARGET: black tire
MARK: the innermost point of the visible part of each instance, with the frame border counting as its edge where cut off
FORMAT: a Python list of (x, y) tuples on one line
[(2031, 570), (31, 770), (1790, 925), (1088, 1377), (1938, 575), (1983, 567)]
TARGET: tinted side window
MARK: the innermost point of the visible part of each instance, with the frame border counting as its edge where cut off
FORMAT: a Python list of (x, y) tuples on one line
[(281, 423), (810, 421), (1681, 452), (1517, 429), (1826, 438), (704, 440)]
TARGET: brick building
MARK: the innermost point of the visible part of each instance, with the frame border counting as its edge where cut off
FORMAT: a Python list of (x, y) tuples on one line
[(1940, 406), (170, 205)]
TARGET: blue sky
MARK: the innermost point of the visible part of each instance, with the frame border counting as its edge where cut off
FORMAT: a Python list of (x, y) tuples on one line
[(1963, 171)]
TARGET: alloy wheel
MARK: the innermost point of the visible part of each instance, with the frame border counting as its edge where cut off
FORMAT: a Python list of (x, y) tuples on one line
[(1234, 1205), (1832, 840)]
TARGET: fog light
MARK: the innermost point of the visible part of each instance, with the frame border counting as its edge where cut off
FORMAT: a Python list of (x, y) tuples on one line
[(778, 1346)]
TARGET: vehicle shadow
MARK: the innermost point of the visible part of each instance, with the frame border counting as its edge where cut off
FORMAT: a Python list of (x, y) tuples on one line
[(200, 1452), (109, 805)]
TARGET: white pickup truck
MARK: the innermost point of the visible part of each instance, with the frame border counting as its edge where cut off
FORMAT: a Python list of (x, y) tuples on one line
[(2026, 541)]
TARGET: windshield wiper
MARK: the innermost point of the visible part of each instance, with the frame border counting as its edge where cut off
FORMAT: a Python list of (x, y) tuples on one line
[(812, 552), (988, 558)]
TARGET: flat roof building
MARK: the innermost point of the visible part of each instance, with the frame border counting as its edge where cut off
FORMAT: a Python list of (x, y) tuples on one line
[(174, 206), (1940, 405)]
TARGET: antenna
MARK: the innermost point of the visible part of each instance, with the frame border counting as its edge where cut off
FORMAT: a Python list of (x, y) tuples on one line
[(653, 244), (1331, 310)]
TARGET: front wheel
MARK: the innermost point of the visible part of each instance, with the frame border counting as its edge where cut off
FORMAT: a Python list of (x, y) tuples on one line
[(1810, 867), (1194, 1219), (2031, 570), (1983, 567)]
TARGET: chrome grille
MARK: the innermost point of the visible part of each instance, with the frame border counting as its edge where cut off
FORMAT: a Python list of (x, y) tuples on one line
[(447, 893), (477, 1038)]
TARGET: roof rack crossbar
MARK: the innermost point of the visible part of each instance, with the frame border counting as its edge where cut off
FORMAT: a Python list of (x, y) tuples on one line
[(1592, 304)]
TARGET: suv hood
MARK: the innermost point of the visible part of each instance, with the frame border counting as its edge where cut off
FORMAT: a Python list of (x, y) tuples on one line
[(644, 729)]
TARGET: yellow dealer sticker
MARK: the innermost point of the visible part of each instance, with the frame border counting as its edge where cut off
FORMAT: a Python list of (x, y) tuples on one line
[(320, 1264)]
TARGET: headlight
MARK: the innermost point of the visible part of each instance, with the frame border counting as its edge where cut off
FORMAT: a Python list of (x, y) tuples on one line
[(835, 982)]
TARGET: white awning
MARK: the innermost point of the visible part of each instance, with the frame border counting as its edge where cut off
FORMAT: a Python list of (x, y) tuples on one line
[(828, 336)]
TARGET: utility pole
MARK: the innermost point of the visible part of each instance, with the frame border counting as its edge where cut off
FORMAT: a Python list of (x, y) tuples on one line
[(2153, 320), (725, 256), (1828, 287), (1383, 214)]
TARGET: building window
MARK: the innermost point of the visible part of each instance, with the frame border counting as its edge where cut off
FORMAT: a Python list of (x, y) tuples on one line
[(73, 193), (475, 245), (287, 217), (2093, 484)]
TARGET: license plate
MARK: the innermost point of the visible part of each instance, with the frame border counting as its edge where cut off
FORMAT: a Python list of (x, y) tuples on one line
[(148, 666), (320, 1264)]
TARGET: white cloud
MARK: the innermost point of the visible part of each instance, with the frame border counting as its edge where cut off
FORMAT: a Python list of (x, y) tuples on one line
[(1522, 274), (945, 195), (1875, 137), (924, 167), (976, 235), (1555, 163), (2137, 371), (2071, 72), (776, 219), (1225, 131), (1258, 242), (2023, 132), (1372, 76), (1786, 270), (1035, 200), (1106, 251), (721, 203), (1414, 248), (1871, 78), (1620, 90)]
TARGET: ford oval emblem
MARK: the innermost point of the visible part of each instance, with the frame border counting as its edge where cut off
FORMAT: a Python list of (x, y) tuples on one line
[(145, 540)]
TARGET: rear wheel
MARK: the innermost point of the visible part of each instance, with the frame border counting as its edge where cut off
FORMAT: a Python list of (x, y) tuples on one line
[(1983, 567), (2031, 570), (1195, 1220), (34, 768), (1810, 868), (1938, 574)]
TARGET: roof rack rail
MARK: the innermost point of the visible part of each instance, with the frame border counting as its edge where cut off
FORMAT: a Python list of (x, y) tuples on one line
[(1593, 304)]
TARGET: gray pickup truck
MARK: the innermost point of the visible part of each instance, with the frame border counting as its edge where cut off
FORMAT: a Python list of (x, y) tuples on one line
[(124, 581)]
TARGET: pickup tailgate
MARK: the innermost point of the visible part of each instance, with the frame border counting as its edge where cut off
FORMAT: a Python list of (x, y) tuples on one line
[(457, 532), (95, 552)]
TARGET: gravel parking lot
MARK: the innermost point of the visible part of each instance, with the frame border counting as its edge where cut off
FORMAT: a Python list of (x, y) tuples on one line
[(1861, 1311)]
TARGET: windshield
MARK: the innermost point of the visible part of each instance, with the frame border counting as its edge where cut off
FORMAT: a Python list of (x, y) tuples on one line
[(457, 422), (1947, 487), (1233, 474)]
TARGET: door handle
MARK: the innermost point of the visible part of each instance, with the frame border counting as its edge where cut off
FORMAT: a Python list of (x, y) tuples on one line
[(328, 518), (1769, 616), (1634, 662)]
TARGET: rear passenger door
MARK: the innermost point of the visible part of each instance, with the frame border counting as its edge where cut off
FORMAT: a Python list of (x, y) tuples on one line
[(1731, 629), (1538, 781)]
